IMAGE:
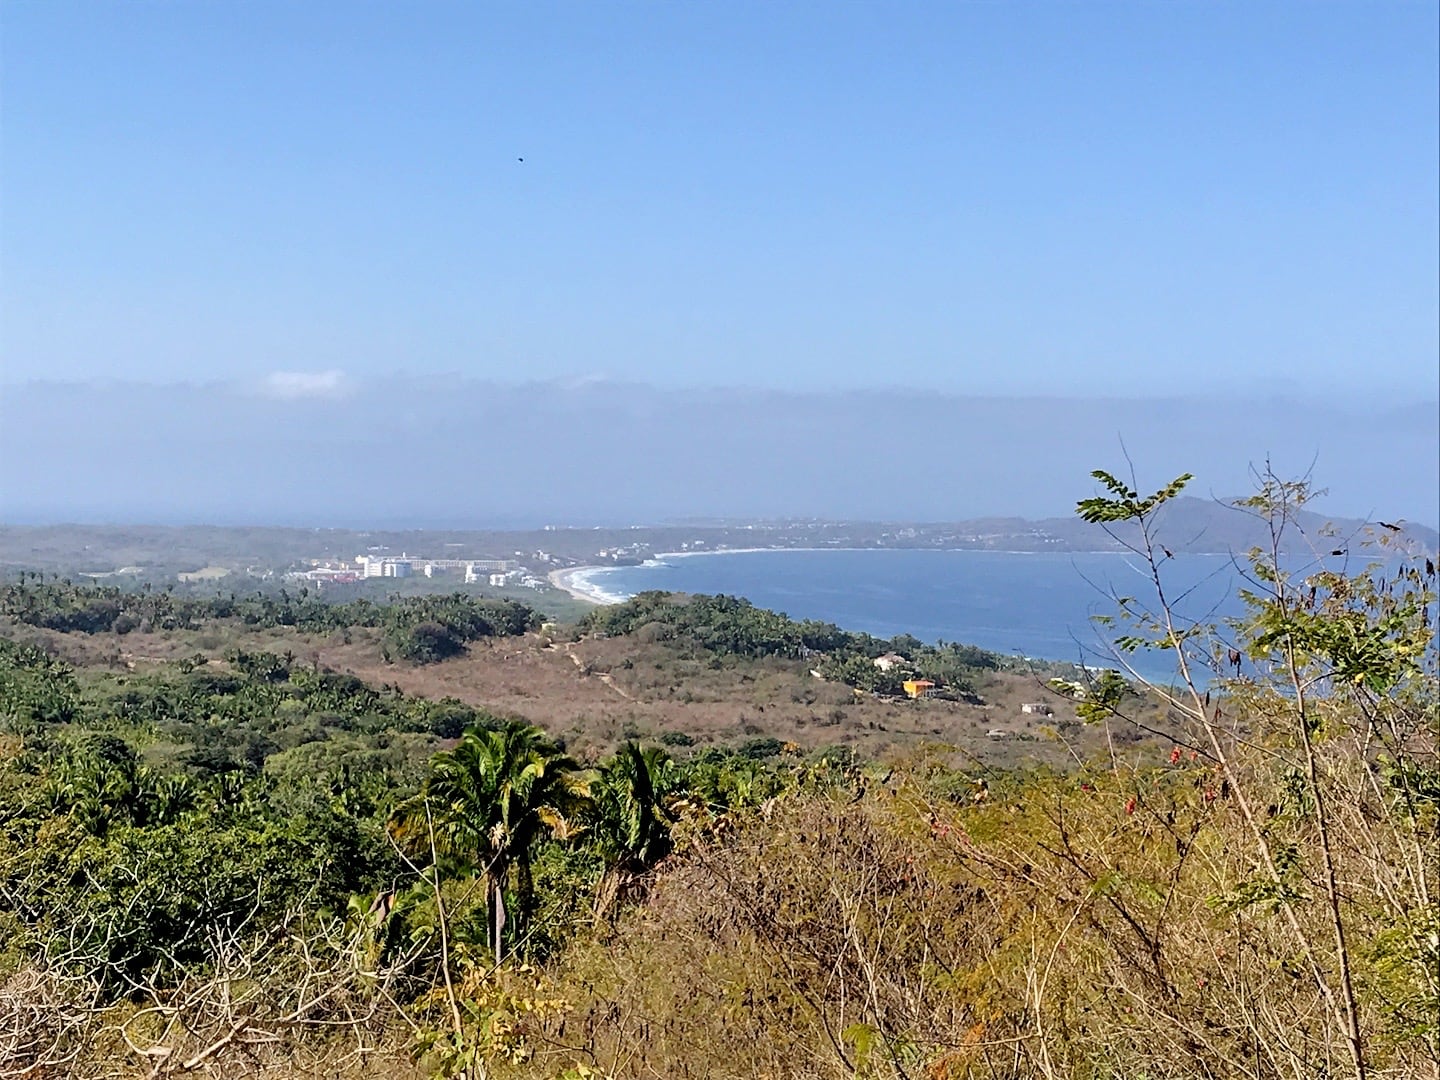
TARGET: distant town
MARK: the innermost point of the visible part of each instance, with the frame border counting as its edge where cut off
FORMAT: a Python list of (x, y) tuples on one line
[(510, 560), (495, 572)]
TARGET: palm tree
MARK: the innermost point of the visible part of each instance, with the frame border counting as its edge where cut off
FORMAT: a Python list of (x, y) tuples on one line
[(485, 803), (630, 821)]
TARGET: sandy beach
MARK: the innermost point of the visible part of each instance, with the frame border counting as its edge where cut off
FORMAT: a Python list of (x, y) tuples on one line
[(579, 581), (661, 556), (575, 581)]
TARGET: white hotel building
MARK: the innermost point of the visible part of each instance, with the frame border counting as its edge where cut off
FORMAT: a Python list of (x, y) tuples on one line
[(398, 566)]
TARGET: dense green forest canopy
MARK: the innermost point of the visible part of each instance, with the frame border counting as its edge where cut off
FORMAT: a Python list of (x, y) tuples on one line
[(731, 626), (227, 795), (146, 815), (425, 629), (419, 628)]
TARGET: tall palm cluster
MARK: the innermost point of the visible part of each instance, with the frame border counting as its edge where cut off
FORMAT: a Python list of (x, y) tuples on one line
[(631, 817), (107, 785), (486, 803), (90, 608)]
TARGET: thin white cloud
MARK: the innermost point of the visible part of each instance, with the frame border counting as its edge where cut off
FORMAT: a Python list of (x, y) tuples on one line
[(298, 385), (582, 382)]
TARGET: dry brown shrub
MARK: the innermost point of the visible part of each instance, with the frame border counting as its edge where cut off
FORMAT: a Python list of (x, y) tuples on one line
[(1068, 927), (277, 1012)]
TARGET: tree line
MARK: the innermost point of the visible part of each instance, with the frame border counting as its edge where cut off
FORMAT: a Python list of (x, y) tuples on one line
[(142, 815), (730, 626), (419, 629)]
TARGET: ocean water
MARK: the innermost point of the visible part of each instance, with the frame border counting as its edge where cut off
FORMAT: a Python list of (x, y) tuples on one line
[(1036, 605)]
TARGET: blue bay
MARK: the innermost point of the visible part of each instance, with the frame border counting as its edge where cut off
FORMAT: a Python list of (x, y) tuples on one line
[(1036, 605)]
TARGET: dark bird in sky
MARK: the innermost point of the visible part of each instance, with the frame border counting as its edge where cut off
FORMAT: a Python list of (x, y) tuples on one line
[(519, 159), (1387, 525), (1338, 551)]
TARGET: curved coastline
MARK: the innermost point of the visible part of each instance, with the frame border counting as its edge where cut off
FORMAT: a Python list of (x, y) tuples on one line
[(578, 582), (661, 556), (1040, 606)]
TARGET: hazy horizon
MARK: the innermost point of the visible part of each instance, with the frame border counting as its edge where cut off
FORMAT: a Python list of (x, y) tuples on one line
[(324, 450)]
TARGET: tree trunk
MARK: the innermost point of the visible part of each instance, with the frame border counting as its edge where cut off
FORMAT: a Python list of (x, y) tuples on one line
[(524, 894), (496, 892)]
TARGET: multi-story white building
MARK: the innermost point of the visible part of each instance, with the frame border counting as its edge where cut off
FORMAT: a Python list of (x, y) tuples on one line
[(391, 566)]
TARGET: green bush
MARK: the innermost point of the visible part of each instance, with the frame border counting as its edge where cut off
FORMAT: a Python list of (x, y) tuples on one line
[(427, 643)]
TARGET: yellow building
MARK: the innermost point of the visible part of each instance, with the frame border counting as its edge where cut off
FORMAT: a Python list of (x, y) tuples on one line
[(918, 688)]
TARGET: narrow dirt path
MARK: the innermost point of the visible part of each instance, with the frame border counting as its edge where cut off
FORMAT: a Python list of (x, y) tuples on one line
[(604, 676)]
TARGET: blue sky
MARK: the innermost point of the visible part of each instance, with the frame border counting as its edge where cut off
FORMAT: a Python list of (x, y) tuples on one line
[(1000, 197)]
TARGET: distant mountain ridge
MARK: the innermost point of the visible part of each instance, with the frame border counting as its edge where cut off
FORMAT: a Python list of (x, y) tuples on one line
[(1211, 526), (1186, 525)]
